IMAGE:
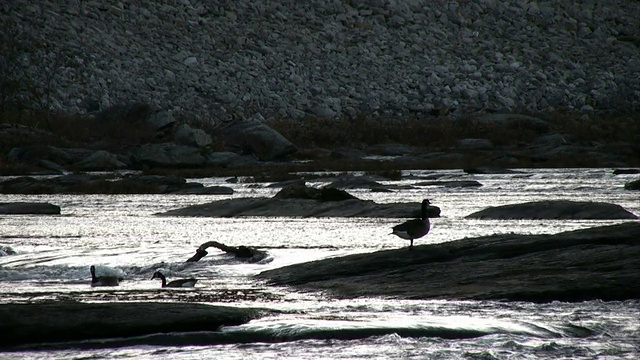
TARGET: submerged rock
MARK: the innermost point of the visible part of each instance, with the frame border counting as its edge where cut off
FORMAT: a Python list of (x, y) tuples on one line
[(597, 263), (632, 185)]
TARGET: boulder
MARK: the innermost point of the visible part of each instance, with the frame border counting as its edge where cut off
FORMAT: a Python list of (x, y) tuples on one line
[(302, 207), (300, 191), (632, 185), (254, 137), (161, 120), (450, 183), (221, 158), (168, 155), (29, 208), (199, 189), (569, 266), (102, 184), (490, 170), (357, 182), (555, 210), (626, 171), (101, 161), (68, 321), (185, 135), (6, 251), (33, 154)]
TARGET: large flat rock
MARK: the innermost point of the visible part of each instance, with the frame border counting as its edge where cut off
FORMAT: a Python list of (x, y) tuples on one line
[(240, 207), (31, 208), (597, 263), (555, 209), (73, 321)]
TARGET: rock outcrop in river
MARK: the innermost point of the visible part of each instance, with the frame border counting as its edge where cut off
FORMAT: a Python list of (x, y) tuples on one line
[(22, 324), (303, 201), (555, 209), (596, 263)]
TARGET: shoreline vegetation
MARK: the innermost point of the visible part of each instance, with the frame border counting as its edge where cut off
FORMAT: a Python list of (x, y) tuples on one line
[(34, 143)]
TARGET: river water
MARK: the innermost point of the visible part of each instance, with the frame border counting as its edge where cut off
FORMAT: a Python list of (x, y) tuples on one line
[(121, 231)]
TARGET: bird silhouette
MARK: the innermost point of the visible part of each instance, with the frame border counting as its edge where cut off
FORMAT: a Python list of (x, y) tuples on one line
[(175, 283), (103, 280), (414, 228)]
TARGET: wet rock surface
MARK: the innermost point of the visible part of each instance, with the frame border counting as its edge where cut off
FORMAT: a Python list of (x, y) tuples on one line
[(23, 324), (107, 184), (596, 263), (555, 209), (29, 208)]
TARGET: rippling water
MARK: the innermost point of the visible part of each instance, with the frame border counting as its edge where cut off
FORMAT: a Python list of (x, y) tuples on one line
[(54, 254)]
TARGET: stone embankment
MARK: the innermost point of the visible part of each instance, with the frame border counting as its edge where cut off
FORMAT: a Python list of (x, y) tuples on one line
[(290, 59)]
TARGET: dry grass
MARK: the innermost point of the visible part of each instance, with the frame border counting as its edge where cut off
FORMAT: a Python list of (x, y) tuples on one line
[(437, 132), (317, 137)]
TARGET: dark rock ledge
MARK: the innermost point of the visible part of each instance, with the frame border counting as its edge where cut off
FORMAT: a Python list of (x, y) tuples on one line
[(66, 321), (555, 209), (242, 207), (302, 201), (22, 208), (596, 263)]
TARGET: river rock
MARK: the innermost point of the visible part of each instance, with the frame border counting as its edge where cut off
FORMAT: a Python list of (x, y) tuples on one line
[(302, 207), (102, 184), (168, 155), (101, 161), (68, 321), (626, 171), (301, 191), (450, 183), (555, 209), (29, 208), (569, 266), (254, 137), (632, 185), (186, 135)]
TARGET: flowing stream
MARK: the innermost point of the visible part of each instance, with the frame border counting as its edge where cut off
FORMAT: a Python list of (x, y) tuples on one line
[(122, 231)]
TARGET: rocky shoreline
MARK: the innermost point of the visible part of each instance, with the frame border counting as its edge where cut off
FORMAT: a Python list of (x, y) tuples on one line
[(331, 59)]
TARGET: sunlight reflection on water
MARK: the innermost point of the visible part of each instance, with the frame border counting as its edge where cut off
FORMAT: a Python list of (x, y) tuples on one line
[(54, 253)]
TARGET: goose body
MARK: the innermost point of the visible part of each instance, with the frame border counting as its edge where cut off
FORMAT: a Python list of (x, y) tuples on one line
[(174, 283), (103, 280), (414, 228)]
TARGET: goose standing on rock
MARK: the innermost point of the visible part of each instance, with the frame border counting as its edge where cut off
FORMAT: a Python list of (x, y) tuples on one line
[(414, 228), (103, 280), (175, 283)]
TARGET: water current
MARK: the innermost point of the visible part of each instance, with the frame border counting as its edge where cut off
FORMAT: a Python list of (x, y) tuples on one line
[(53, 255)]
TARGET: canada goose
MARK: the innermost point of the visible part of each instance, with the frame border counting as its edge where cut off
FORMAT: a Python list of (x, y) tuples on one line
[(414, 228), (175, 283), (103, 280)]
